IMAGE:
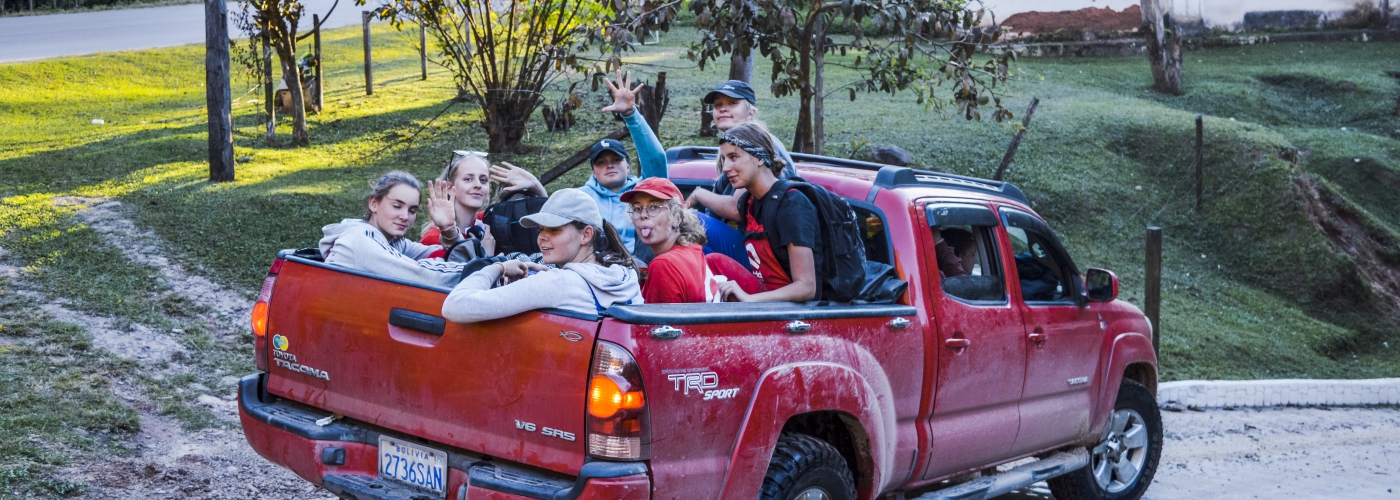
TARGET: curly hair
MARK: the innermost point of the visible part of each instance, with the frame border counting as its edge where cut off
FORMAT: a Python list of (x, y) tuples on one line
[(685, 222)]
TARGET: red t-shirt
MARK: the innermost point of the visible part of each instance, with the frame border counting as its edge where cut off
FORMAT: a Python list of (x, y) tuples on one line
[(676, 276), (764, 263)]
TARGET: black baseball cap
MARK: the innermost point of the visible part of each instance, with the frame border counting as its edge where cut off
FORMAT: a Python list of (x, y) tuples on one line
[(732, 88), (606, 145)]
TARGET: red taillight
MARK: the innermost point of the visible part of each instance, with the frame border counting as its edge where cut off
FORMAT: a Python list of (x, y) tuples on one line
[(259, 317), (618, 426)]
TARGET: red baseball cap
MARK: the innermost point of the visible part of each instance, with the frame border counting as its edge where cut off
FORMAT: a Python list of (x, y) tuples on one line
[(658, 187)]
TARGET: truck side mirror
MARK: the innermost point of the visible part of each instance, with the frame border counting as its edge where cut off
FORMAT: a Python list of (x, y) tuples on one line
[(1102, 284)]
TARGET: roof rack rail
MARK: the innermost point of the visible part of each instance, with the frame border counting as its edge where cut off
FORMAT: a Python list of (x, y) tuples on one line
[(887, 176)]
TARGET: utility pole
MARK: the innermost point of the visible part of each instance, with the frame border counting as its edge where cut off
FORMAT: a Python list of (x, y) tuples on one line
[(369, 70), (218, 95)]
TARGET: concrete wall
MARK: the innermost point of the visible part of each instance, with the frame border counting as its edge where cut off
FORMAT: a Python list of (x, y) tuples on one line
[(1217, 13)]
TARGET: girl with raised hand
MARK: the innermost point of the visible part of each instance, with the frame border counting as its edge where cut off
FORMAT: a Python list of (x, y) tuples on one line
[(463, 190), (788, 270), (593, 270), (375, 243)]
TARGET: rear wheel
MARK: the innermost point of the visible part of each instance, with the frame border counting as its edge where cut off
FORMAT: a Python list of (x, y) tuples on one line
[(807, 468), (1122, 463)]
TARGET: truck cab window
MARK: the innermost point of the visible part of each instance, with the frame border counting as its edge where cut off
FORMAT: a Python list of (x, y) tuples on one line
[(1041, 267), (872, 230), (975, 250)]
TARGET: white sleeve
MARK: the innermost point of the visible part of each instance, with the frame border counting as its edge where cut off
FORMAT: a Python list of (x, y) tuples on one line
[(474, 300), (366, 253)]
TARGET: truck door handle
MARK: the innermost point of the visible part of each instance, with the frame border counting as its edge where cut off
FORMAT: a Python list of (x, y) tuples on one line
[(957, 343), (1038, 336), (899, 323), (425, 323)]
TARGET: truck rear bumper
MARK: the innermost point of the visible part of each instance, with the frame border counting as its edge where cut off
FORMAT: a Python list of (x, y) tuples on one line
[(343, 457)]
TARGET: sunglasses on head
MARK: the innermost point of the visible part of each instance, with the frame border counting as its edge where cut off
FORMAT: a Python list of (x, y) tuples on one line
[(464, 152)]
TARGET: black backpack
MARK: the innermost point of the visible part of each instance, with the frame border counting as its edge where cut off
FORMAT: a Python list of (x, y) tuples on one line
[(503, 218), (843, 250)]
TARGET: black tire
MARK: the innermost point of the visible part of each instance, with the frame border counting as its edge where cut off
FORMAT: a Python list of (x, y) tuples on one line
[(802, 464), (1136, 403)]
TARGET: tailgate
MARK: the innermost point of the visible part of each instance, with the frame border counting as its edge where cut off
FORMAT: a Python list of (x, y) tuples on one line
[(365, 348)]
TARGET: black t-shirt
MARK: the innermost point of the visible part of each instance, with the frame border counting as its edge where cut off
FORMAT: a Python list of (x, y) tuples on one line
[(797, 224)]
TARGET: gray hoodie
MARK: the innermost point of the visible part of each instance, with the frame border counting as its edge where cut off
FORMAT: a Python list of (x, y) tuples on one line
[(561, 288), (356, 244)]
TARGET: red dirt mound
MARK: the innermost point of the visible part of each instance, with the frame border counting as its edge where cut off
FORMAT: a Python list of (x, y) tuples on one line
[(1092, 19)]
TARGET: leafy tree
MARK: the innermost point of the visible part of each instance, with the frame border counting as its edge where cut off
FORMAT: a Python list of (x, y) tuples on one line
[(504, 53), (923, 44), (279, 19)]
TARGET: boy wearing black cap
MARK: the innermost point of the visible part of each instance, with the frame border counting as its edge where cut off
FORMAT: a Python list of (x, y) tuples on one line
[(612, 170)]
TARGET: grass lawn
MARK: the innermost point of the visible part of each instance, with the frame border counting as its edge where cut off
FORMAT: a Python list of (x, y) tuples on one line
[(1252, 288)]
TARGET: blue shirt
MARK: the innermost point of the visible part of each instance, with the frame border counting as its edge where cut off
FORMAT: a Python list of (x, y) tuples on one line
[(653, 164)]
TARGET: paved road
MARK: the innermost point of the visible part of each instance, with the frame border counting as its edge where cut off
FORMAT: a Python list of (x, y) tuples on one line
[(41, 37)]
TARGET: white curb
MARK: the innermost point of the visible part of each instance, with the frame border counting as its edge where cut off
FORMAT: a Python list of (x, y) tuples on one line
[(1247, 393)]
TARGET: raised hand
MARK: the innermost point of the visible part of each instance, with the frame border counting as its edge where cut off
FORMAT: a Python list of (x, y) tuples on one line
[(624, 100), (440, 206), (513, 178)]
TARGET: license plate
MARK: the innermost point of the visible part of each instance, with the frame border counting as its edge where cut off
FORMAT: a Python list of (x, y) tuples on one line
[(413, 465)]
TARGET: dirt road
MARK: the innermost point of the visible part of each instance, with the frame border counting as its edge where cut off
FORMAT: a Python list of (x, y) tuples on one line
[(1296, 453)]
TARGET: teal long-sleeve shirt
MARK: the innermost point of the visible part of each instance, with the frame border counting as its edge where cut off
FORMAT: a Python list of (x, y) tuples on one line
[(651, 157)]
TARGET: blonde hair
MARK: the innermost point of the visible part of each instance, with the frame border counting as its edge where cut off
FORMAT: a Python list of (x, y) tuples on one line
[(685, 222)]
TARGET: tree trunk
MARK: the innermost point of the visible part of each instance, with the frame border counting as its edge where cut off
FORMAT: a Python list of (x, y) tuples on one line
[(818, 84), (217, 90), (1163, 46), (269, 91), (505, 117), (740, 66), (802, 139), (292, 76)]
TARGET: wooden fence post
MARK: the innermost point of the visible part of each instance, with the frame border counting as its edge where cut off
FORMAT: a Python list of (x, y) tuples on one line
[(369, 72), (1016, 141), (1200, 175), (1152, 293), (217, 90), (269, 91), (319, 97), (423, 48)]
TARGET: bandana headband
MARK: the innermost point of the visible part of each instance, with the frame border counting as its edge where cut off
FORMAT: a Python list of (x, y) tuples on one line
[(750, 148)]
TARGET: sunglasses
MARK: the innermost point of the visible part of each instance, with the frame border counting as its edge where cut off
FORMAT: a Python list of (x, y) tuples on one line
[(463, 152)]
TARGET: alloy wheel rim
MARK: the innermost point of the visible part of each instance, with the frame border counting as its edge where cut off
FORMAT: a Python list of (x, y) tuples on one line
[(813, 493), (1118, 459)]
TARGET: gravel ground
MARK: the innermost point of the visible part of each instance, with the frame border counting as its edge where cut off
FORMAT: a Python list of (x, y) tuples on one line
[(1278, 452)]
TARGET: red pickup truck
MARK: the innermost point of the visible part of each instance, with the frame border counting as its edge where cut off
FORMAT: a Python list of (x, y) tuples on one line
[(1023, 370)]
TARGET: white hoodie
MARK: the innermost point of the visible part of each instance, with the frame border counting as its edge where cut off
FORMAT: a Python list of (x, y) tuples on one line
[(356, 244), (565, 288)]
